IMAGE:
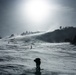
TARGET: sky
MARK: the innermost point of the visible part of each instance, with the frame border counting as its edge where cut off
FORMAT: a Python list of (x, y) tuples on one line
[(17, 16)]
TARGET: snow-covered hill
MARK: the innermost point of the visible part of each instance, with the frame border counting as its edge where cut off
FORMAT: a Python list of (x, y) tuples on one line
[(16, 56)]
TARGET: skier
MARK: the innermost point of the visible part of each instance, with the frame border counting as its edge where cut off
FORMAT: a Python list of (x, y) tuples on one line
[(38, 63)]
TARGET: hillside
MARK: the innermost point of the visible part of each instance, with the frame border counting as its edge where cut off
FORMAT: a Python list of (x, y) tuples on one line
[(17, 54), (60, 35), (66, 34)]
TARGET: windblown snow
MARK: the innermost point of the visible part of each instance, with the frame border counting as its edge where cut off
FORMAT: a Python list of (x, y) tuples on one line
[(16, 56)]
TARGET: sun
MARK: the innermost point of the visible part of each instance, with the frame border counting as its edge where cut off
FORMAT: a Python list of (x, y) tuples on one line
[(37, 10), (36, 14)]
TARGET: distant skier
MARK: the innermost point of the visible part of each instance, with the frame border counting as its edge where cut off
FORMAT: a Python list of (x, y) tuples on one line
[(38, 63), (31, 47), (8, 42)]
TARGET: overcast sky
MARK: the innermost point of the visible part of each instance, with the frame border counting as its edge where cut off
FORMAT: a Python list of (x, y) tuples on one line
[(14, 20)]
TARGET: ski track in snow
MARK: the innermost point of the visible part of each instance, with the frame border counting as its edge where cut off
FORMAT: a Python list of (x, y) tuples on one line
[(17, 58)]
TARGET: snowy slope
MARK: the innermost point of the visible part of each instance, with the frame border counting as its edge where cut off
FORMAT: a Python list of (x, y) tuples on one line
[(16, 57)]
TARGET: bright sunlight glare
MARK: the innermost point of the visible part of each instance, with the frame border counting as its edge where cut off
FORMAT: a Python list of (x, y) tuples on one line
[(36, 14), (37, 10)]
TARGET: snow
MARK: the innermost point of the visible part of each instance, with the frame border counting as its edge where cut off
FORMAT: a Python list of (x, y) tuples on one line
[(16, 57)]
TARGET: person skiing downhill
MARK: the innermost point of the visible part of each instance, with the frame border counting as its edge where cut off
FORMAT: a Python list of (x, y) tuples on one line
[(38, 63)]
